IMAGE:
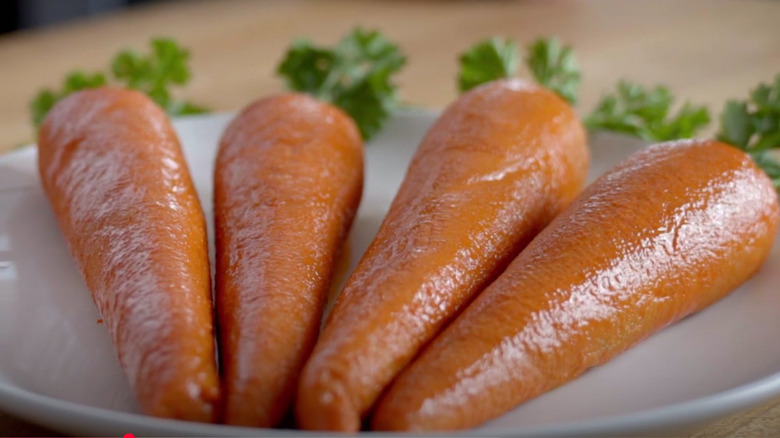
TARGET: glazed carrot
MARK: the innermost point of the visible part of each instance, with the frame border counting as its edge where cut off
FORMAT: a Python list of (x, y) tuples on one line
[(115, 176), (669, 231), (495, 168), (288, 180)]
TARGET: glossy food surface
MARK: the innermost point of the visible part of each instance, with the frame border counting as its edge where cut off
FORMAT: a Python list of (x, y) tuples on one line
[(288, 181), (666, 233), (494, 169), (114, 173)]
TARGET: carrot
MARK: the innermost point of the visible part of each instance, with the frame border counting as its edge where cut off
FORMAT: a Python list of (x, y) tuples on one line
[(495, 168), (115, 176), (288, 180), (665, 234)]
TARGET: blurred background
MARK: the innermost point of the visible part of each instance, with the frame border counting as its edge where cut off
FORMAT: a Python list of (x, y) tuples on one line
[(23, 14), (704, 51)]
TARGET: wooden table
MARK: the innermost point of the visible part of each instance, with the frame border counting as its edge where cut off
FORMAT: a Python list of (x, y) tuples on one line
[(705, 50)]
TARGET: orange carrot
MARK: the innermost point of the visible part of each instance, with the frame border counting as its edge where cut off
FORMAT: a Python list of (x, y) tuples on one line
[(288, 181), (114, 172), (496, 167)]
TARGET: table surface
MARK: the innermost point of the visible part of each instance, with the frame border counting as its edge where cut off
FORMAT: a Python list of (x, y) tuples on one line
[(707, 51)]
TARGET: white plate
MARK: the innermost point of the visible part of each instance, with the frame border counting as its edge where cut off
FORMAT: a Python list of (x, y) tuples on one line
[(58, 368)]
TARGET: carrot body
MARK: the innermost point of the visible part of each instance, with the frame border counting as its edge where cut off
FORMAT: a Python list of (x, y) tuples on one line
[(288, 181), (666, 233), (494, 170), (113, 170)]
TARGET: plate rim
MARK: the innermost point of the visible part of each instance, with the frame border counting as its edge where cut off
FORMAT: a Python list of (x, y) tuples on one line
[(702, 409)]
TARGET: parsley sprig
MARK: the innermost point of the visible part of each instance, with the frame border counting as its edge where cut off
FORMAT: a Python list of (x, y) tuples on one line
[(647, 114), (753, 125), (155, 74), (552, 64), (355, 75)]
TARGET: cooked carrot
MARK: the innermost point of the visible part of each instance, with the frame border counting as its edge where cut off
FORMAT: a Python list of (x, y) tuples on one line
[(289, 177), (495, 168), (669, 231), (113, 170)]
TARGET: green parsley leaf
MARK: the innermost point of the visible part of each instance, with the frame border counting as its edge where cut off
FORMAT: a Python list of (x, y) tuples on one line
[(646, 114), (154, 74), (770, 165), (306, 67), (735, 125), (79, 80), (42, 104), (185, 108), (355, 75), (753, 125), (75, 81), (488, 60), (688, 121), (555, 67)]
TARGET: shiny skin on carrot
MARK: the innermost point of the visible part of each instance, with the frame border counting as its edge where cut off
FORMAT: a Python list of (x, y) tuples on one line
[(114, 173), (495, 168), (288, 181), (666, 233)]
